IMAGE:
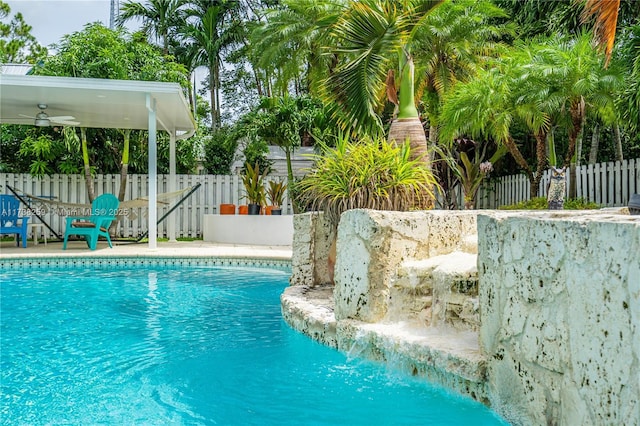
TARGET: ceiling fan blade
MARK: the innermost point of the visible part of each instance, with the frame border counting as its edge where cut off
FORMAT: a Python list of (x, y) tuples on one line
[(26, 116), (62, 118), (65, 122)]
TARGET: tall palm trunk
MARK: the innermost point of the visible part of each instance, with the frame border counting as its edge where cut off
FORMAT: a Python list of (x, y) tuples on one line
[(618, 139), (542, 160), (87, 166), (408, 125), (595, 143), (124, 166), (577, 112), (513, 149), (217, 90), (214, 79), (575, 134)]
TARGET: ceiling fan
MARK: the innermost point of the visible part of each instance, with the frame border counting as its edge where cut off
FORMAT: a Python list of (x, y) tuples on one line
[(42, 119)]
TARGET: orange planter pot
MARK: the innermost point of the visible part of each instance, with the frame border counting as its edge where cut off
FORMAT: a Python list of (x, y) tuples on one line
[(243, 209), (227, 209)]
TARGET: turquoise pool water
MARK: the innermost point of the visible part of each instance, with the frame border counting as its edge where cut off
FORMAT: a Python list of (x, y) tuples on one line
[(188, 346)]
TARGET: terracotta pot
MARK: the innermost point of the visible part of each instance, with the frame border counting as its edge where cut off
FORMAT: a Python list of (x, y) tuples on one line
[(243, 209), (227, 209), (268, 209)]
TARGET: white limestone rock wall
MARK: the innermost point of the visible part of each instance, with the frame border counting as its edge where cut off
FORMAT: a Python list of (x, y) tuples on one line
[(372, 244), (310, 311), (312, 238), (560, 316)]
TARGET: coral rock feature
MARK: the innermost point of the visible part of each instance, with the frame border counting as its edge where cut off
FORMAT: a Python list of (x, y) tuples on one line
[(441, 290), (372, 246), (312, 239), (560, 301), (536, 314), (383, 285)]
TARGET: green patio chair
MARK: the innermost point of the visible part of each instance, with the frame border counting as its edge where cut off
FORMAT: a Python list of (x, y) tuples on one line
[(103, 212)]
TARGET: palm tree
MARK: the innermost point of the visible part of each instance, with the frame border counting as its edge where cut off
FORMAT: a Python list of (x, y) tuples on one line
[(629, 102), (450, 46), (580, 81), (288, 44), (576, 78), (211, 28), (160, 18), (538, 84), (487, 107), (372, 36)]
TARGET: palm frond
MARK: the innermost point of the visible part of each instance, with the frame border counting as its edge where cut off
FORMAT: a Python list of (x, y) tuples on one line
[(605, 14)]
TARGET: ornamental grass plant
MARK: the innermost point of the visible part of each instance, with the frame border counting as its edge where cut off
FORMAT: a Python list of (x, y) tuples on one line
[(368, 173)]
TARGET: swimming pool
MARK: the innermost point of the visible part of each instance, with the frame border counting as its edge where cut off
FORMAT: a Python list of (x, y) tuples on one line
[(155, 345)]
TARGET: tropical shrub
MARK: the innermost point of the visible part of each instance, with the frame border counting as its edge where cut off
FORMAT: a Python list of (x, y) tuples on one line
[(369, 173), (255, 151), (275, 192), (219, 152), (253, 181)]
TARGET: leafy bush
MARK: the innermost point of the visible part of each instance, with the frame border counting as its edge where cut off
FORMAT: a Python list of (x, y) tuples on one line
[(219, 152), (580, 204), (540, 203), (256, 152), (275, 192), (370, 173)]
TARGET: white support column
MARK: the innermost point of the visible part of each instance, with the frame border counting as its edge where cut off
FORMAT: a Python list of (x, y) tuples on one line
[(153, 175), (172, 184)]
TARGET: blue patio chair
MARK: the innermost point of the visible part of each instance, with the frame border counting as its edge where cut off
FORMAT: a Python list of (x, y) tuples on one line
[(9, 218), (103, 212)]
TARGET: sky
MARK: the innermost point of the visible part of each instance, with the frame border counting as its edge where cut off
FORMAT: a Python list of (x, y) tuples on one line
[(51, 19)]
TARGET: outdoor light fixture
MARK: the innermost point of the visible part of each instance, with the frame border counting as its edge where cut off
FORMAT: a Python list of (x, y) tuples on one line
[(42, 120)]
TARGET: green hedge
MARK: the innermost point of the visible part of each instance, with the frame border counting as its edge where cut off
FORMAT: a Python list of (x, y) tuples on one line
[(540, 203)]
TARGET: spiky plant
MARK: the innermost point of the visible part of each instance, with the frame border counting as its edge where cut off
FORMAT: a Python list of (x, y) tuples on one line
[(370, 173)]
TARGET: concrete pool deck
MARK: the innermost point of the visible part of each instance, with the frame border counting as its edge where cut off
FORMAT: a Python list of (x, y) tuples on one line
[(8, 250)]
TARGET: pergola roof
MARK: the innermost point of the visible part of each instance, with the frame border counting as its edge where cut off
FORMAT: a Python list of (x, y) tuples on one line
[(96, 103), (100, 103)]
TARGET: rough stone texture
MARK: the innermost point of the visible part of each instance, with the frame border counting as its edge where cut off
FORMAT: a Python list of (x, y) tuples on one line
[(438, 290), (560, 309), (310, 311), (443, 356), (373, 244), (559, 297), (312, 238)]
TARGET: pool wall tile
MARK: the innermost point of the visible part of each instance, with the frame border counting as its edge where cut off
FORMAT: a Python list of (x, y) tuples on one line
[(128, 262)]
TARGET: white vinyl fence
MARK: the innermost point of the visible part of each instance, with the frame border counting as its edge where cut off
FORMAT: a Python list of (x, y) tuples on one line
[(609, 184), (214, 190)]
